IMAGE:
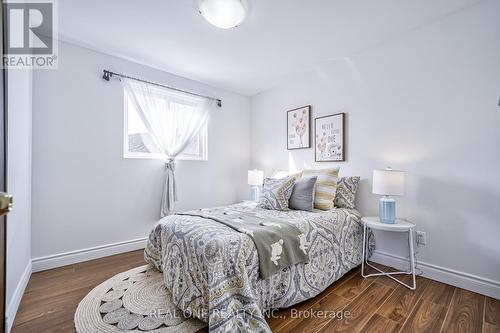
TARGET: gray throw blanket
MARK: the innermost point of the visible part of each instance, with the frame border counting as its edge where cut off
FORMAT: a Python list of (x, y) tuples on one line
[(279, 244)]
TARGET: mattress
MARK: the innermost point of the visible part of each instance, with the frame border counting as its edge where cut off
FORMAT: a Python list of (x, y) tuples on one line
[(212, 271)]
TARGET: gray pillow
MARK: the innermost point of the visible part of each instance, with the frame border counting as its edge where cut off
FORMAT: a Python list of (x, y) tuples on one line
[(303, 194)]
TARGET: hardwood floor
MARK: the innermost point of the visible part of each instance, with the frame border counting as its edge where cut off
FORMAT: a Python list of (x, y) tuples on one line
[(51, 297), (352, 304)]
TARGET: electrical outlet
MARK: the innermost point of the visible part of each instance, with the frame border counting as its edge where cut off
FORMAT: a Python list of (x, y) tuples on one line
[(421, 238)]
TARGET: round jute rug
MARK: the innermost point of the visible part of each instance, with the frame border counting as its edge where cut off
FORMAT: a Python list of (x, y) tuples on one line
[(132, 301)]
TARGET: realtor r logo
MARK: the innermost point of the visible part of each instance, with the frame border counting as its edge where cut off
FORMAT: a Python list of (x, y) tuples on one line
[(31, 39)]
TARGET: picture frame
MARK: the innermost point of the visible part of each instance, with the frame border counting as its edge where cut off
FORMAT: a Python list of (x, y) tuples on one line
[(298, 128), (329, 136)]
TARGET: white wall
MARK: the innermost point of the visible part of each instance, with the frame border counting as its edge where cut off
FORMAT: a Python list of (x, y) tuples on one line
[(425, 102), (85, 194), (19, 185)]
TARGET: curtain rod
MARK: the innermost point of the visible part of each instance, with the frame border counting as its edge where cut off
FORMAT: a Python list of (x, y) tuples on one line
[(108, 74)]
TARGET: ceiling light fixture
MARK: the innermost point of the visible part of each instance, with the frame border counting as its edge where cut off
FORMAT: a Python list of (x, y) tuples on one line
[(224, 14)]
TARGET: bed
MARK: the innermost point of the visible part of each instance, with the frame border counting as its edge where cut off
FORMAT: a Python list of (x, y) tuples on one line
[(212, 271)]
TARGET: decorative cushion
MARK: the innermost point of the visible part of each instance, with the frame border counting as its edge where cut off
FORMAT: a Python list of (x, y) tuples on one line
[(302, 197), (276, 193), (346, 192), (326, 186), (281, 174)]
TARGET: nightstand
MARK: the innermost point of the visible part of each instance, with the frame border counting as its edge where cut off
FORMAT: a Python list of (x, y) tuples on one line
[(400, 226)]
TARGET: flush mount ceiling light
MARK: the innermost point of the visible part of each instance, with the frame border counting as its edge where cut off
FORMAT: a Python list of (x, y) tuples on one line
[(223, 14)]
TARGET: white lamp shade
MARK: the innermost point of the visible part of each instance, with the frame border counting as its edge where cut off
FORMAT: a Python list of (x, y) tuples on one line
[(388, 182), (255, 177), (223, 14)]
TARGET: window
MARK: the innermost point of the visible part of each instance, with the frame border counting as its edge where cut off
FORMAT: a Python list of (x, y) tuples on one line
[(138, 142)]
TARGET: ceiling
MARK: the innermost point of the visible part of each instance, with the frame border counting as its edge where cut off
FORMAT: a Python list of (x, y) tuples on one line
[(278, 39)]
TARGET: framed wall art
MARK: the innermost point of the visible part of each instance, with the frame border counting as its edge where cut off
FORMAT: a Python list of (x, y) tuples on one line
[(330, 138), (298, 133)]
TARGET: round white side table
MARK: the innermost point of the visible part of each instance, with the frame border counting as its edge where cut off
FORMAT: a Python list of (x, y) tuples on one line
[(400, 226)]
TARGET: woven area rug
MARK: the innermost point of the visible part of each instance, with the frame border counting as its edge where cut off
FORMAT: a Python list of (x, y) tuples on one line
[(132, 301)]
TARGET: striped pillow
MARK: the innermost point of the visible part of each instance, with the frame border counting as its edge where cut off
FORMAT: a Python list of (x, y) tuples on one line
[(326, 186)]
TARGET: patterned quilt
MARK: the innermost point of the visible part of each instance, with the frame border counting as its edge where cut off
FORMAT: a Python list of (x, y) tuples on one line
[(279, 244), (212, 271)]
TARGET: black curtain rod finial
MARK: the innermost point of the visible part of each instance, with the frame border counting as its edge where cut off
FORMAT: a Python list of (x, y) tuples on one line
[(219, 103), (106, 75)]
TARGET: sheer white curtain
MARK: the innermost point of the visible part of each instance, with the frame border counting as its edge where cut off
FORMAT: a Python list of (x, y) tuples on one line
[(172, 119)]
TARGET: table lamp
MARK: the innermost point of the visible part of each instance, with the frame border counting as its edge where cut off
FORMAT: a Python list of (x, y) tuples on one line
[(255, 179), (388, 182)]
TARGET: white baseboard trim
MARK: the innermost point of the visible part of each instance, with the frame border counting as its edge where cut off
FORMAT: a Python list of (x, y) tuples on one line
[(455, 278), (13, 305), (73, 257)]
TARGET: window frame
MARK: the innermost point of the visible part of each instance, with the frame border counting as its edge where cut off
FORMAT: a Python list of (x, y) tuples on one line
[(202, 136)]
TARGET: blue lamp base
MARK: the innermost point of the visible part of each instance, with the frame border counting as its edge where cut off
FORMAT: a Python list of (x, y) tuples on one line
[(387, 210), (255, 193)]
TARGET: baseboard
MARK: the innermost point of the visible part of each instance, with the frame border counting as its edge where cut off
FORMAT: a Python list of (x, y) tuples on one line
[(13, 305), (73, 257), (455, 278)]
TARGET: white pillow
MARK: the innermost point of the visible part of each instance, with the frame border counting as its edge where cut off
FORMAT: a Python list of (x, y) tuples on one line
[(282, 174)]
